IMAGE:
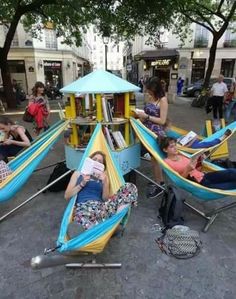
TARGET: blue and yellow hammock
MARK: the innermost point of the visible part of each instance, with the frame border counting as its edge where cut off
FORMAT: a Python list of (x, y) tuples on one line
[(26, 162), (95, 239), (149, 140), (176, 132)]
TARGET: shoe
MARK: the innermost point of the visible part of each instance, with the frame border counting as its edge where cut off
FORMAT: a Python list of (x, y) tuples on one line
[(227, 132), (147, 157), (153, 190)]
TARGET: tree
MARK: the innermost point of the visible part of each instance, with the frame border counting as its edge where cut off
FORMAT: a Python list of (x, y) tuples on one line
[(69, 18), (215, 16)]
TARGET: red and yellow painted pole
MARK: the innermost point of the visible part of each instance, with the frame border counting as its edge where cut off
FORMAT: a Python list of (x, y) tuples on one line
[(99, 107)]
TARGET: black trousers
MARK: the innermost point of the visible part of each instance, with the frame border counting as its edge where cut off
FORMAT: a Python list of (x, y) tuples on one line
[(217, 105)]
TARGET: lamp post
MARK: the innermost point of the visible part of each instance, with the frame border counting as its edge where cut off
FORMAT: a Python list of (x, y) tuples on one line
[(105, 41)]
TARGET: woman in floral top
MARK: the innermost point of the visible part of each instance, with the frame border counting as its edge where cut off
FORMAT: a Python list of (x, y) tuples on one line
[(154, 118)]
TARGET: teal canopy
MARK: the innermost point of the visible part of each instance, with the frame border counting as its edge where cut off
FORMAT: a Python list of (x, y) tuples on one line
[(100, 81)]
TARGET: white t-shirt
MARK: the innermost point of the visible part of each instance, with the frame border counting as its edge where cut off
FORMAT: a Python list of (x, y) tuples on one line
[(219, 89)]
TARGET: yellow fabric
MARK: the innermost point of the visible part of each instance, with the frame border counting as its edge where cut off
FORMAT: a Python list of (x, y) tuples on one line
[(100, 144)]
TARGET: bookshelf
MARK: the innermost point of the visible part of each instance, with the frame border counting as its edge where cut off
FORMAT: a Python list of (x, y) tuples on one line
[(88, 110)]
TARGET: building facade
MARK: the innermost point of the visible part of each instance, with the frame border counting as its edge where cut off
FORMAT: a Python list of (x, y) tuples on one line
[(106, 54), (169, 61), (46, 59)]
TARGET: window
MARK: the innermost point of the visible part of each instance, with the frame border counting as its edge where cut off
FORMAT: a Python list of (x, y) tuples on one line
[(230, 39), (227, 67), (50, 39), (198, 69), (15, 41), (201, 37)]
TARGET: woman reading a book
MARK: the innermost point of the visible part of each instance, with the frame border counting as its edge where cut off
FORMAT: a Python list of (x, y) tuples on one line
[(194, 142), (189, 168), (154, 117), (93, 204), (16, 138)]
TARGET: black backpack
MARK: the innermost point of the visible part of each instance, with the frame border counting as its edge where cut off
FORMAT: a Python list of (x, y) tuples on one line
[(171, 210), (62, 184)]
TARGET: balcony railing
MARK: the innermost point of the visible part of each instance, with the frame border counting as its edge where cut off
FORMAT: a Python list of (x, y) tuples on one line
[(200, 43), (229, 43)]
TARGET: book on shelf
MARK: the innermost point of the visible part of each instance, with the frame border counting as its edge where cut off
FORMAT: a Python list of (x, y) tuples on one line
[(109, 138), (91, 167), (119, 139), (104, 109), (109, 111), (187, 138)]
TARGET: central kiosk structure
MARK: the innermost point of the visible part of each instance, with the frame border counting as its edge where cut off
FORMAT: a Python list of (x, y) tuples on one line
[(105, 98)]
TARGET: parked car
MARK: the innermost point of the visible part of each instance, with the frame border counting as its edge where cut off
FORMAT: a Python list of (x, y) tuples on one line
[(193, 90)]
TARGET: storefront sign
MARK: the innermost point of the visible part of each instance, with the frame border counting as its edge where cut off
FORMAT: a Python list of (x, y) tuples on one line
[(53, 64), (161, 62)]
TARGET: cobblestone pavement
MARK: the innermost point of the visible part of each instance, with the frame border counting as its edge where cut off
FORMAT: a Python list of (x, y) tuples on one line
[(145, 272)]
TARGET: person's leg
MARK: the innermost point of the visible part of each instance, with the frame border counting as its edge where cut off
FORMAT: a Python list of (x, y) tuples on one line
[(214, 107), (157, 172), (228, 111), (220, 107), (127, 194), (205, 144), (222, 179)]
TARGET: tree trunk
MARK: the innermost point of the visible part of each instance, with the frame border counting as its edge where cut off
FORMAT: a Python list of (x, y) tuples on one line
[(9, 95), (211, 61)]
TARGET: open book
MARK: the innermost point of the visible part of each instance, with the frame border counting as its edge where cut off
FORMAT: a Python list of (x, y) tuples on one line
[(136, 110), (91, 167), (187, 138)]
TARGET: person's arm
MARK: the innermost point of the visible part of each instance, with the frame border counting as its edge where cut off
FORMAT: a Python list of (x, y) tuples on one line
[(73, 188), (105, 185), (25, 140), (163, 113)]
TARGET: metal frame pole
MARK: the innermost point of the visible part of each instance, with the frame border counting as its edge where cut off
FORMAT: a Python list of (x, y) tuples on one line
[(147, 178), (34, 195)]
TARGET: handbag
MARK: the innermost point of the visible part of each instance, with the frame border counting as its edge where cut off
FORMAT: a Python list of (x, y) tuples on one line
[(27, 117), (180, 242)]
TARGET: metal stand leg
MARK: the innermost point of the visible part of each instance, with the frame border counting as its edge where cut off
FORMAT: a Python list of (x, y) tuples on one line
[(210, 216), (45, 261), (34, 195), (150, 180)]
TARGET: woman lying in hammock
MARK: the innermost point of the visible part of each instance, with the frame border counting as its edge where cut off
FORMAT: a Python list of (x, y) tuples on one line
[(188, 168), (93, 204), (16, 138)]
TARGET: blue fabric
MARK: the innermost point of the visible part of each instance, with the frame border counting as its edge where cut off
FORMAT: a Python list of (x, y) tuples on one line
[(91, 191), (205, 144)]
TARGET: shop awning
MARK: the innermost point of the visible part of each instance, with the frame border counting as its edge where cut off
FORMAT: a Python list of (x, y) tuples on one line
[(157, 54)]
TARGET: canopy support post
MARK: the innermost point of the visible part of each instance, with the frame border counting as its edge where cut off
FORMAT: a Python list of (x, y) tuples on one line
[(34, 195)]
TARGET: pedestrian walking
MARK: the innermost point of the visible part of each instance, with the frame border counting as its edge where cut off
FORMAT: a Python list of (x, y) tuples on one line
[(180, 84), (39, 107), (218, 92), (232, 103)]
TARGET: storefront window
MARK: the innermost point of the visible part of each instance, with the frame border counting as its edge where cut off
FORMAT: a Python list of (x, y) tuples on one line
[(227, 67), (53, 73), (198, 69)]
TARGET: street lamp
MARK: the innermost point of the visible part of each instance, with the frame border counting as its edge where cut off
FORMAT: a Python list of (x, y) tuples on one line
[(105, 41)]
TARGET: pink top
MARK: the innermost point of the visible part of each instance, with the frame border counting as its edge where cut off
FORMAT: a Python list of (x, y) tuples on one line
[(180, 166)]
